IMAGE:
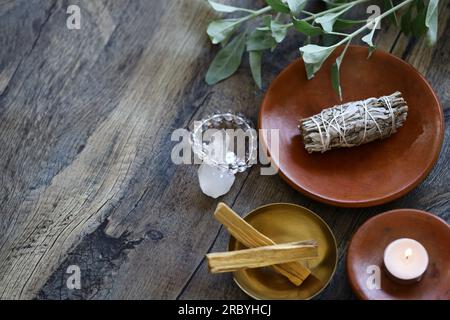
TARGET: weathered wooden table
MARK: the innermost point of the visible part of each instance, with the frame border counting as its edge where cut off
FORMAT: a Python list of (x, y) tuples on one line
[(86, 177)]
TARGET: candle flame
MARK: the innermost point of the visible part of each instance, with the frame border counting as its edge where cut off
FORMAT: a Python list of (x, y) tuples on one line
[(408, 253)]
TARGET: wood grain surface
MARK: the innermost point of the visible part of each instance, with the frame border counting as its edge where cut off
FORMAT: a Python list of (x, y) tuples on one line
[(86, 176)]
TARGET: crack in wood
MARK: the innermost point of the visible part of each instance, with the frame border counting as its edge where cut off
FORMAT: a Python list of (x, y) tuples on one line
[(99, 257)]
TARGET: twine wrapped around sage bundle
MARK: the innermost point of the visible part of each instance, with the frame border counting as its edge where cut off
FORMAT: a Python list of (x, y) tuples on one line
[(354, 123)]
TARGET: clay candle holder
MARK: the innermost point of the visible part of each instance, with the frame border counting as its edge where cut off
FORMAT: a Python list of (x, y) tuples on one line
[(366, 263)]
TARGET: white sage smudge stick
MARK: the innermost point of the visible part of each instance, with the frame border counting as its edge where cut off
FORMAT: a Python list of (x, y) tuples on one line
[(354, 123)]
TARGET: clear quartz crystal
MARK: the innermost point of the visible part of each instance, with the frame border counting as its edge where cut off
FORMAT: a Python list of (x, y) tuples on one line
[(213, 181), (221, 159)]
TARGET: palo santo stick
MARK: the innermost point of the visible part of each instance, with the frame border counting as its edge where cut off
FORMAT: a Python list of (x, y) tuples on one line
[(251, 238), (261, 256)]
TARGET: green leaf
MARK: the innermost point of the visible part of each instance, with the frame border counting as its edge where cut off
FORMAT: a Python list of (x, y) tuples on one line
[(313, 53), (368, 38), (227, 60), (405, 24), (219, 7), (278, 6), (329, 39), (334, 3), (309, 71), (260, 40), (335, 77), (335, 81), (327, 21), (306, 28), (420, 5), (296, 6), (342, 24), (267, 19), (255, 66), (279, 31), (393, 16), (220, 30), (314, 56), (431, 21), (418, 26)]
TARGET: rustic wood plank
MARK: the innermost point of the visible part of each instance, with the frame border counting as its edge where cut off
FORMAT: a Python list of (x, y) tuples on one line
[(59, 175), (40, 142), (11, 51), (122, 166), (432, 195)]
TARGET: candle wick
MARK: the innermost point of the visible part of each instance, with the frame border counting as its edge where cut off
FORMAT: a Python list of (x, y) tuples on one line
[(408, 253)]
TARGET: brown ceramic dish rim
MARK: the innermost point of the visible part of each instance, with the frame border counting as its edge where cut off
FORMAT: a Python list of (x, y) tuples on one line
[(377, 200), (351, 279), (253, 212)]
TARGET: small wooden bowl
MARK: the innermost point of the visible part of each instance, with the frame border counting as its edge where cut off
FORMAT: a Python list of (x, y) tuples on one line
[(368, 243), (368, 175), (285, 222)]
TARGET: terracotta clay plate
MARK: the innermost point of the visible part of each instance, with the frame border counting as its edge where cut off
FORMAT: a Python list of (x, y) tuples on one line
[(370, 174), (367, 247), (284, 222)]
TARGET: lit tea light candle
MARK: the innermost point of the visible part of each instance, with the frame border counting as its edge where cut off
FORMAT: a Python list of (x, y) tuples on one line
[(405, 260)]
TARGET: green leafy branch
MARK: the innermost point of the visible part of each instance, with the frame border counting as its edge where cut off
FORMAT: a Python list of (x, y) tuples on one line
[(418, 17)]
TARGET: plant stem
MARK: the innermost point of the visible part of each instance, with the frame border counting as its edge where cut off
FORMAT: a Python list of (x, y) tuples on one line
[(250, 16), (338, 33), (311, 16), (375, 22), (255, 14), (334, 9)]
